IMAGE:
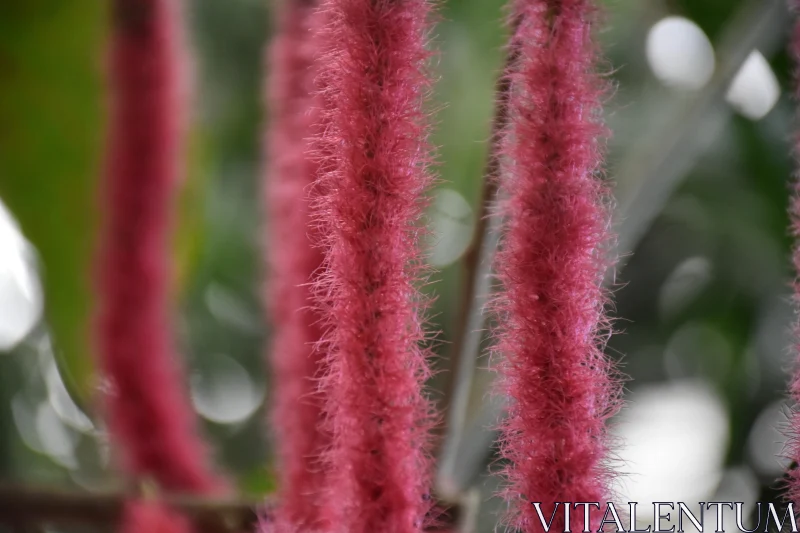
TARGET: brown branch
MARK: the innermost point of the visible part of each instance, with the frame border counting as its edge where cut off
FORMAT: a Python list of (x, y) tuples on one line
[(650, 172), (472, 257), (27, 505), (477, 267)]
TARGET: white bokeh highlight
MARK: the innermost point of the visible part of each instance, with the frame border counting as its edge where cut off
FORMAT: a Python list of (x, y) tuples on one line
[(679, 53), (452, 227), (226, 394), (755, 89), (21, 299), (673, 441), (60, 400), (683, 285)]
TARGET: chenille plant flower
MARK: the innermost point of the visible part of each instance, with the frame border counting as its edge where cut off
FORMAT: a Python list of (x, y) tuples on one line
[(550, 307), (345, 183), (793, 444), (293, 260), (152, 517), (148, 412), (374, 155)]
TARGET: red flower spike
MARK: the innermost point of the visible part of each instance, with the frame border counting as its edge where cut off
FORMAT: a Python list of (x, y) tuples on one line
[(550, 311), (152, 517), (793, 443), (293, 260), (374, 156), (149, 416)]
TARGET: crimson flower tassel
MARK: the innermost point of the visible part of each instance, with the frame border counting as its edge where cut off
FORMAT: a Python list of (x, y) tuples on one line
[(148, 413), (560, 386), (374, 154), (793, 444), (293, 259), (152, 517)]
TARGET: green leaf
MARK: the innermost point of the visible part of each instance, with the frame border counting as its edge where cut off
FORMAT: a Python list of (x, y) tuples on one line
[(52, 104), (258, 482), (189, 234), (51, 56)]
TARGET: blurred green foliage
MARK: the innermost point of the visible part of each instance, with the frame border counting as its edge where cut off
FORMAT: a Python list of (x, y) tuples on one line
[(50, 142), (729, 212), (51, 127)]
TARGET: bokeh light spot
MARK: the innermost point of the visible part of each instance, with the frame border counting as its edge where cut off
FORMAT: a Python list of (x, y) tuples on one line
[(679, 53), (755, 89)]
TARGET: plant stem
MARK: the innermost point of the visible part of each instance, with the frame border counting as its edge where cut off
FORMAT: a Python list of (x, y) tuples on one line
[(22, 505), (31, 507), (477, 278), (646, 177)]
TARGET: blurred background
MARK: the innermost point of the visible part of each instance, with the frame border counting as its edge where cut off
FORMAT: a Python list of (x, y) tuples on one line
[(700, 160)]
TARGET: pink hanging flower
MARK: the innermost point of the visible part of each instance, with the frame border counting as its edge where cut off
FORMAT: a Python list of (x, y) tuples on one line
[(551, 321), (293, 259), (793, 444), (148, 413), (374, 154), (152, 517)]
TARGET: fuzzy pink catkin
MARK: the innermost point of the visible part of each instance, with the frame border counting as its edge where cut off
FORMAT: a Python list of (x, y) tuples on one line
[(149, 416), (793, 443), (152, 517), (293, 259), (374, 154), (560, 386)]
